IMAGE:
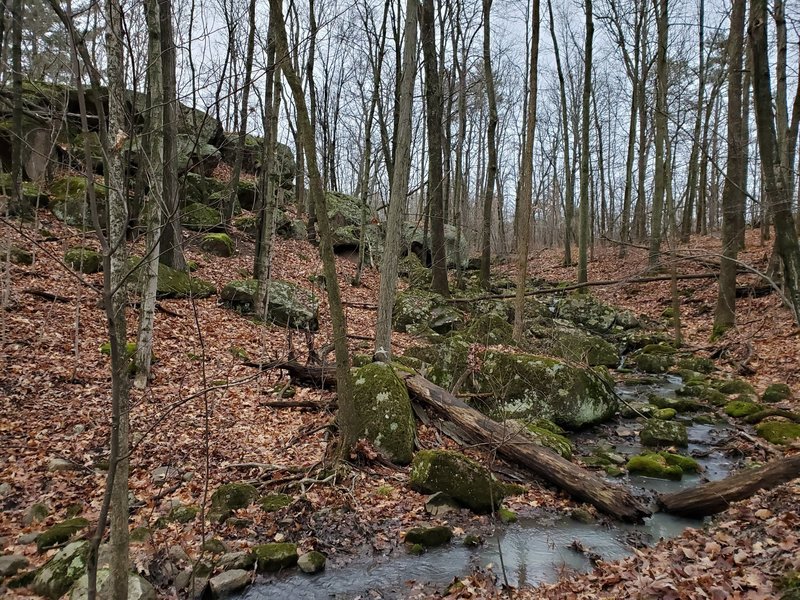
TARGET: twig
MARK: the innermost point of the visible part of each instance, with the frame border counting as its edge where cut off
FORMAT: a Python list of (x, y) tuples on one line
[(47, 295)]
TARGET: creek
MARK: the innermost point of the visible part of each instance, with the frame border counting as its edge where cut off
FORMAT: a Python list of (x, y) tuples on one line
[(538, 546)]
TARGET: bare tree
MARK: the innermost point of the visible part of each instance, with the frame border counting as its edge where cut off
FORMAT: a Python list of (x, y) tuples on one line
[(583, 220), (491, 133)]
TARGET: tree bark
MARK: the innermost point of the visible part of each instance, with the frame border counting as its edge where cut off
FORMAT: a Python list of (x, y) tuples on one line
[(583, 220), (715, 497), (662, 24), (491, 164)]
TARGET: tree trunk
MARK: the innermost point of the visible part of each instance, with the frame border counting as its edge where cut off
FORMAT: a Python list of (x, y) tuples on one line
[(17, 198), (662, 24), (715, 497), (733, 191), (583, 220), (433, 105), (694, 158), (526, 179), (491, 165), (347, 419), (774, 179)]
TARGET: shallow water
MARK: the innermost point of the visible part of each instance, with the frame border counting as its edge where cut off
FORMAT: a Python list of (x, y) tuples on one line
[(535, 549)]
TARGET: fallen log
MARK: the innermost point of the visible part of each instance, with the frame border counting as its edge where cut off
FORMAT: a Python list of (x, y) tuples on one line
[(321, 376), (712, 498), (517, 446)]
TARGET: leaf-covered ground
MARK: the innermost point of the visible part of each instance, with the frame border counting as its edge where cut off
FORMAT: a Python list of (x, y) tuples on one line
[(55, 404)]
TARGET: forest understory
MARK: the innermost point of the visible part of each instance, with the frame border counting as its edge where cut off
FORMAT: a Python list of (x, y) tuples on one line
[(207, 418)]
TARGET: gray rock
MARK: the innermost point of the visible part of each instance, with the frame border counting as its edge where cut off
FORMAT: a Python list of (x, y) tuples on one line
[(236, 560), (138, 587), (58, 574), (5, 490), (227, 582), (28, 538), (11, 563), (178, 554), (161, 474), (311, 562), (35, 514), (61, 464)]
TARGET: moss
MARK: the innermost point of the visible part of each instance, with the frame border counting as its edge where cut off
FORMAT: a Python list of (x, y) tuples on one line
[(140, 535), (507, 515), (384, 412), (776, 392), (414, 307), (239, 352), (696, 363), (714, 397), (735, 386), (789, 585), (247, 224), (84, 260), (443, 363), (490, 329), (214, 546), (741, 408), (288, 304), (454, 474), (654, 465), (200, 217), (275, 556), (686, 463), (572, 344), (182, 514), (778, 432), (412, 269), (429, 537), (60, 533), (273, 502), (311, 562), (56, 576), (173, 283), (472, 541), (680, 405), (229, 497), (664, 433), (416, 549), (219, 244), (665, 414), (547, 438), (653, 363)]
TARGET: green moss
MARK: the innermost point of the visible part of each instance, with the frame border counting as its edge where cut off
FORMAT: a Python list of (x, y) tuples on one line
[(653, 363), (414, 308), (55, 577), (778, 432), (130, 349), (214, 546), (665, 414), (570, 343), (384, 411), (247, 224), (507, 515), (696, 363), (200, 217), (219, 244), (454, 474), (472, 541), (84, 260), (173, 283), (416, 549), (229, 497), (654, 465), (140, 535), (490, 329), (547, 438), (741, 408), (686, 463), (776, 392), (789, 585), (288, 304), (714, 397), (275, 556), (182, 514), (239, 352), (429, 536), (273, 502), (664, 433), (680, 405), (412, 269), (60, 533), (735, 386), (660, 349)]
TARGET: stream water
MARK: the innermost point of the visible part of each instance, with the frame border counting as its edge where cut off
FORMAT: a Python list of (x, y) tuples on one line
[(534, 549)]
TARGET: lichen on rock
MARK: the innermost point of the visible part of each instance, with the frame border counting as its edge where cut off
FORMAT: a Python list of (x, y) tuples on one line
[(287, 304)]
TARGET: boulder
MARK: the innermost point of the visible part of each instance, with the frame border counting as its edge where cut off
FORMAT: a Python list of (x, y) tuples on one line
[(697, 364), (776, 392), (11, 563), (664, 433), (415, 308), (413, 242), (138, 587), (680, 405), (384, 413), (735, 386), (442, 363), (275, 556), (60, 533), (230, 497), (36, 513), (778, 432), (83, 260), (16, 255), (288, 304), (458, 476), (274, 502), (429, 537), (653, 363), (490, 329), (218, 244), (662, 465), (237, 560), (586, 311), (571, 344), (411, 268), (228, 582), (311, 562), (742, 408), (199, 217), (58, 574), (545, 437)]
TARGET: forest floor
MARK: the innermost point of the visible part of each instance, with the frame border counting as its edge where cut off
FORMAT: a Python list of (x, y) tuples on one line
[(203, 416)]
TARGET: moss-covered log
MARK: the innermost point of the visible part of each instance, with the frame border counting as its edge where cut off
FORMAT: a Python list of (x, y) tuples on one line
[(712, 498)]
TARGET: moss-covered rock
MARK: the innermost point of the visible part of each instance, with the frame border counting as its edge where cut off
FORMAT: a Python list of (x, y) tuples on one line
[(414, 271), (274, 502), (182, 514), (69, 204), (60, 533), (384, 412), (311, 562), (528, 387), (83, 260), (507, 515), (275, 556), (199, 217), (138, 587), (548, 438), (665, 414), (696, 363), (229, 497), (741, 408), (172, 283), (714, 397), (778, 432), (490, 329), (458, 476), (653, 465), (776, 392), (664, 433), (218, 244), (416, 308), (442, 363), (429, 537), (680, 405), (591, 314), (735, 386), (571, 344), (58, 574), (287, 304), (653, 363)]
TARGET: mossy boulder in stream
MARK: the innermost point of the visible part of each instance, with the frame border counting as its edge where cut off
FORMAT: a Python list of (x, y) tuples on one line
[(458, 476), (735, 386), (58, 574), (778, 432), (776, 392), (384, 412), (554, 440), (83, 260), (275, 556), (415, 308), (287, 304), (571, 344), (741, 408), (429, 537), (662, 465), (697, 364), (653, 363), (664, 433), (229, 497)]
